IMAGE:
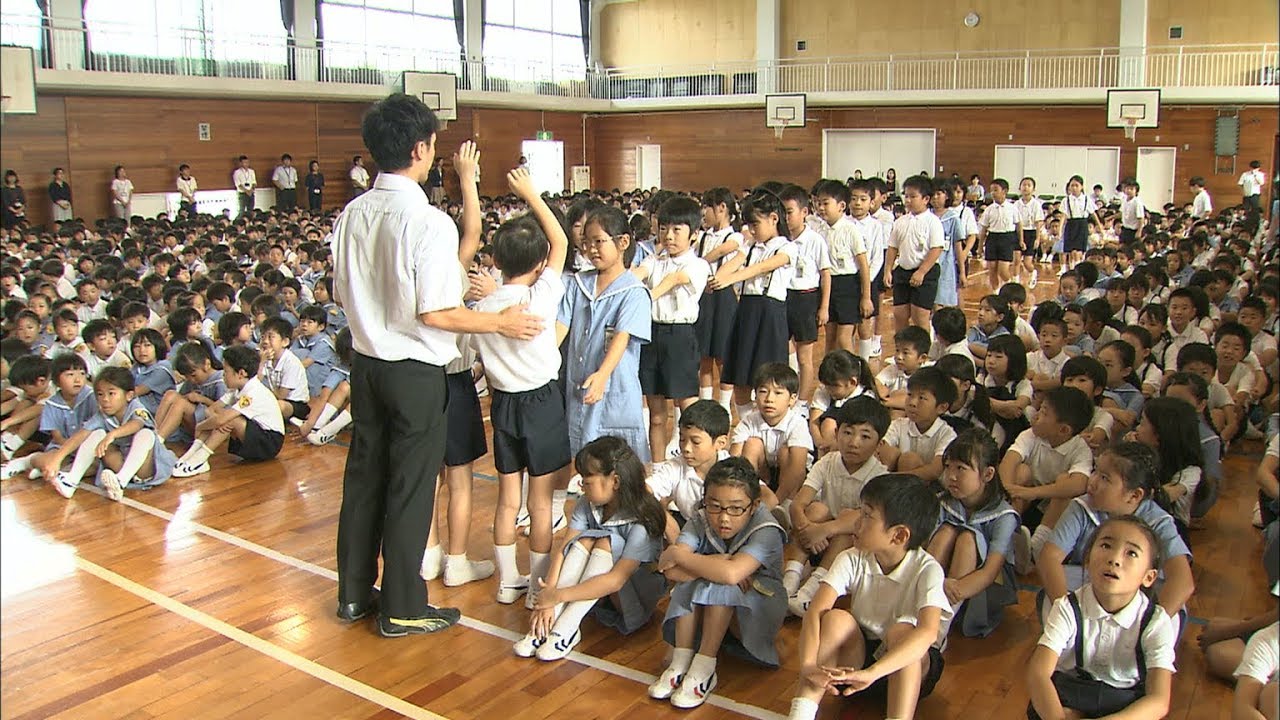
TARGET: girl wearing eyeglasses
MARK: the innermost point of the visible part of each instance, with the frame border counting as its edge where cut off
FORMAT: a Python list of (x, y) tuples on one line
[(728, 566)]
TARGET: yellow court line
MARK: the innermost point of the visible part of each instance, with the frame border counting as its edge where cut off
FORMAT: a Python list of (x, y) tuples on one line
[(253, 642)]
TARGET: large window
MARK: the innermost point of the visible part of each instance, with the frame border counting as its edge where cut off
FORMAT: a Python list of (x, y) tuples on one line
[(391, 35), (534, 40), (219, 30)]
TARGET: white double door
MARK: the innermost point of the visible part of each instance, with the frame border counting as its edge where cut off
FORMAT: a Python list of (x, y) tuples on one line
[(873, 152), (1051, 166)]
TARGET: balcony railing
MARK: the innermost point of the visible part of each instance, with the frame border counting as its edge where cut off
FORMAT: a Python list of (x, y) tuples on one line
[(195, 53)]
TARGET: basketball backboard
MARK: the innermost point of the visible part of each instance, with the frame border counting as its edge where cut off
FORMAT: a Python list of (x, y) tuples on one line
[(784, 111), (18, 80), (1141, 107), (438, 90)]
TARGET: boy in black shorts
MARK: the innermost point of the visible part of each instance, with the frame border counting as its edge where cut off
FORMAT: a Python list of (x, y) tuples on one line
[(247, 418)]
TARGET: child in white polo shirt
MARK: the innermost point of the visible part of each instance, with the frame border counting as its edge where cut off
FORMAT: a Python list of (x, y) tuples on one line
[(282, 371), (898, 613), (810, 293), (247, 418), (1107, 647), (1256, 677), (849, 263), (911, 261), (704, 441), (773, 434), (914, 444)]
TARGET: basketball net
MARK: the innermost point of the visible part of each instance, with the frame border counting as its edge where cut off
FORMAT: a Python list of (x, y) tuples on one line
[(1130, 128), (777, 131)]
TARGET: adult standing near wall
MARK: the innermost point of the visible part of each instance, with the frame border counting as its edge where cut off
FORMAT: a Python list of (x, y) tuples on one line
[(187, 187), (1251, 183), (315, 186), (359, 177), (246, 181), (285, 178), (122, 194), (397, 274), (435, 183), (14, 199), (60, 196)]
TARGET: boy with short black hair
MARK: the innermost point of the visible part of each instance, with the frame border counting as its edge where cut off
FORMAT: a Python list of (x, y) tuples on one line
[(823, 512), (1201, 359), (864, 209), (1088, 375), (850, 265), (898, 614), (915, 443), (282, 372), (247, 417), (23, 404), (704, 441), (1044, 366), (1202, 205), (910, 353), (773, 434), (911, 260), (101, 350), (1133, 213), (949, 325)]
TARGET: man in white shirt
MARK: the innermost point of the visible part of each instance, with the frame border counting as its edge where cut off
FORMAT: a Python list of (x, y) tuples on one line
[(1132, 213), (285, 178), (186, 189), (359, 177), (246, 181), (1202, 205), (397, 274), (1251, 183)]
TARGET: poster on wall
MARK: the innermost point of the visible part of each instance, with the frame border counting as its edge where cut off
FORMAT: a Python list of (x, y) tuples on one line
[(580, 178)]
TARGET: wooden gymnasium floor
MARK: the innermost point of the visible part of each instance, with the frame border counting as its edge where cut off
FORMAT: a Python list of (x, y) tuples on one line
[(213, 597)]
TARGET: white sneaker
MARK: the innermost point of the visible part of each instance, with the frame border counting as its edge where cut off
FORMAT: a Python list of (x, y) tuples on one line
[(527, 646), (11, 469), (1035, 278), (317, 438), (692, 693), (62, 483), (575, 485), (432, 564), (1253, 432), (522, 520), (111, 483), (508, 594), (530, 599), (182, 470), (466, 572), (559, 523), (10, 444), (666, 684), (1257, 515), (799, 604), (558, 647), (1022, 560)]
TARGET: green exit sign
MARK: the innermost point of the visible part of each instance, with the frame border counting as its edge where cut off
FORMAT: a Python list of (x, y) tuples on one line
[(543, 135)]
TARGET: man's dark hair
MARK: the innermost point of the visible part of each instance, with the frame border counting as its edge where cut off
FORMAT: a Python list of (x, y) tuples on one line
[(393, 126)]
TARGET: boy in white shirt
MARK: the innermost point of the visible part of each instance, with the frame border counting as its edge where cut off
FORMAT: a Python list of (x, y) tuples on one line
[(774, 434), (911, 352), (1044, 366), (823, 513), (898, 612), (247, 418), (1202, 204), (1251, 183), (914, 444), (676, 278), (911, 260), (949, 327), (1133, 213), (1256, 689), (285, 178), (704, 441), (282, 372), (809, 295), (101, 348), (850, 266), (874, 222), (999, 229), (1107, 648), (530, 428), (360, 176)]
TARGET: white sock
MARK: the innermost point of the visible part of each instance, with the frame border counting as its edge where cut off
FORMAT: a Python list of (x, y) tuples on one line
[(1038, 539), (11, 441), (143, 442), (803, 709), (539, 563), (431, 563), (85, 456), (196, 448), (681, 659), (326, 412), (705, 393), (791, 575), (865, 348), (701, 668), (571, 615), (504, 557), (339, 421), (199, 453), (575, 561), (724, 397), (793, 362), (18, 465), (876, 349), (558, 498)]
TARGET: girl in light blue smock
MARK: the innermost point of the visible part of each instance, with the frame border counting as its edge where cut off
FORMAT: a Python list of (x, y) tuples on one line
[(605, 315), (952, 230)]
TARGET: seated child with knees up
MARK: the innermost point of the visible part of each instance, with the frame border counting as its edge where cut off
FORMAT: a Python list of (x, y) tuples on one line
[(727, 565), (1171, 428), (247, 417), (605, 563), (1048, 460), (843, 376), (335, 396), (972, 408), (282, 372), (994, 319), (23, 404), (773, 435), (188, 405), (1078, 341), (824, 511), (1124, 483), (974, 543), (910, 353), (914, 444), (1089, 376), (898, 612), (1123, 399), (1016, 295), (62, 415), (101, 351), (1097, 313), (1008, 389), (1107, 648), (1201, 359), (1257, 689), (704, 441), (952, 339), (1195, 391), (152, 376), (313, 347), (1149, 374), (1044, 366), (119, 438)]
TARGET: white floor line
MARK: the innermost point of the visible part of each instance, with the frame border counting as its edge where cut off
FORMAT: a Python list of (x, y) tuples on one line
[(257, 644), (612, 668)]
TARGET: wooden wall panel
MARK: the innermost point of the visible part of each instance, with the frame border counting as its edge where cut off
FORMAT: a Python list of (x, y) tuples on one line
[(33, 145), (842, 28), (677, 32), (1230, 21), (732, 147)]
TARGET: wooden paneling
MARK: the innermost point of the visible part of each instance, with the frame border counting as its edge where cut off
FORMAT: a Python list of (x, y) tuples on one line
[(677, 32), (733, 147), (33, 145), (500, 132), (842, 28), (1231, 21)]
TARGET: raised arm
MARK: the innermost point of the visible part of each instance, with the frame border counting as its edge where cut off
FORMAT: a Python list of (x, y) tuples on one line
[(465, 162), (521, 183)]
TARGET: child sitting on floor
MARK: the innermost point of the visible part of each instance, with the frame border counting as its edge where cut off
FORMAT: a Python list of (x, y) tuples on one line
[(247, 418)]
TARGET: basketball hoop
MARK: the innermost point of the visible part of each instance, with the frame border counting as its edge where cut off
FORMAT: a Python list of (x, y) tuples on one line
[(777, 131), (1130, 128)]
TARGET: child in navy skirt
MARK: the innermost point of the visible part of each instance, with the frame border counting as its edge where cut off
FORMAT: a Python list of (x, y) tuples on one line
[(765, 270)]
